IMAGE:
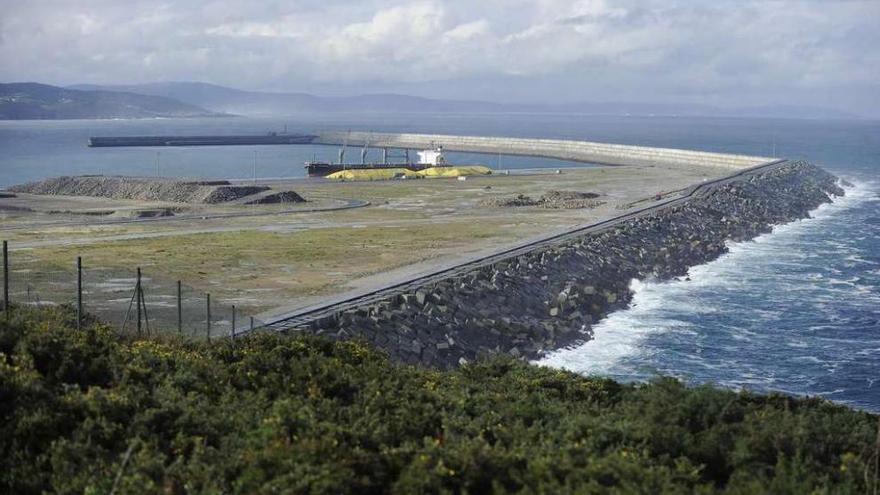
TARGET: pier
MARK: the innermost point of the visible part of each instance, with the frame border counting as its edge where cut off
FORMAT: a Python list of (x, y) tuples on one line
[(560, 149), (240, 140)]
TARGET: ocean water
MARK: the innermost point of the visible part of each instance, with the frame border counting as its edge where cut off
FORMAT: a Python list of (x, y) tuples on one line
[(796, 310)]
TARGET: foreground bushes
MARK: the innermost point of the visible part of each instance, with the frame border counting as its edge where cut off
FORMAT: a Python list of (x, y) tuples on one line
[(80, 412)]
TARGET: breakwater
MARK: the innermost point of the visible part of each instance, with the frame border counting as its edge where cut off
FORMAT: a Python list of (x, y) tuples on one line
[(266, 139), (562, 149), (547, 298)]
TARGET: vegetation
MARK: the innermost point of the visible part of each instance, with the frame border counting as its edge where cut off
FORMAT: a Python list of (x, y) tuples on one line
[(92, 412), (229, 263)]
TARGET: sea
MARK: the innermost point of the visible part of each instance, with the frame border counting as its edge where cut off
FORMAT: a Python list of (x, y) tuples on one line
[(796, 310)]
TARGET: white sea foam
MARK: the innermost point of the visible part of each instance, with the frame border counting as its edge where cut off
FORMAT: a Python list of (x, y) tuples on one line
[(652, 311)]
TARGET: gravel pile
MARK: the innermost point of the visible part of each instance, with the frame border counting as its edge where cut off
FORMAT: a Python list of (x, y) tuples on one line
[(569, 200), (507, 202), (558, 200), (221, 194), (141, 189), (277, 198)]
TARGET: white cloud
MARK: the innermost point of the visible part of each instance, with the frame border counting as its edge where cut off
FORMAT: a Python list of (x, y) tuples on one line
[(610, 49), (467, 31)]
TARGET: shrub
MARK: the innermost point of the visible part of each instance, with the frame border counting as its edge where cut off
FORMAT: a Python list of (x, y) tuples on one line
[(296, 414)]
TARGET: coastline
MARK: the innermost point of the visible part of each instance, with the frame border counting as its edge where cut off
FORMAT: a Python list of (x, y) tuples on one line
[(625, 339), (549, 298), (804, 292)]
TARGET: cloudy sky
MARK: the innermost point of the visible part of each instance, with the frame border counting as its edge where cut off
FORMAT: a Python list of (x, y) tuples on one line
[(727, 52)]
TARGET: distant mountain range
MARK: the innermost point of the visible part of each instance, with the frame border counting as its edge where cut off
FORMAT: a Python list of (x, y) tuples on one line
[(235, 101), (195, 99), (223, 99), (40, 101)]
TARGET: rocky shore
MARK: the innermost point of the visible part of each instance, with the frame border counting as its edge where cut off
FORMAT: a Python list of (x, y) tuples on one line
[(550, 297)]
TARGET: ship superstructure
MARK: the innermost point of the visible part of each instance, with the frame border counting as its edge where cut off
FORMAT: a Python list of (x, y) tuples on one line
[(428, 158)]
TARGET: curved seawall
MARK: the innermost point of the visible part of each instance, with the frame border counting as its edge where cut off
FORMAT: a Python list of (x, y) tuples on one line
[(533, 301), (581, 151)]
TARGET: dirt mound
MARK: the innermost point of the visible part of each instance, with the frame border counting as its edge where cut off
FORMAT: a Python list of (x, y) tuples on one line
[(569, 195), (141, 189), (509, 201), (563, 200), (569, 200), (279, 197), (223, 194)]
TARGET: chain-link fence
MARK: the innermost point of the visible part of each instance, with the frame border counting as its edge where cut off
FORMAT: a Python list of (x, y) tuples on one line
[(130, 300)]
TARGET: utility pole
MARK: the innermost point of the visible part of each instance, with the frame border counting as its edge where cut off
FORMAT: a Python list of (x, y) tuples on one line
[(158, 154), (233, 322), (255, 166), (209, 316), (179, 310), (140, 302), (6, 279), (79, 292), (137, 292)]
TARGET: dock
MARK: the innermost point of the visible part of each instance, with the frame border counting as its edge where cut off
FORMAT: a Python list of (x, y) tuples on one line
[(232, 140)]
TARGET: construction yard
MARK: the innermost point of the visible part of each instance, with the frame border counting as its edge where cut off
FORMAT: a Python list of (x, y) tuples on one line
[(340, 237)]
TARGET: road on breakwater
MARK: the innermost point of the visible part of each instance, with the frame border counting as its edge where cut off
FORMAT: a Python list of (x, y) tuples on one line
[(305, 316)]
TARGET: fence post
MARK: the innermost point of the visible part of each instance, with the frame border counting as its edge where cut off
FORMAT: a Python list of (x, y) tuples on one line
[(179, 310), (209, 315), (6, 279), (252, 323), (137, 295), (233, 322), (79, 292)]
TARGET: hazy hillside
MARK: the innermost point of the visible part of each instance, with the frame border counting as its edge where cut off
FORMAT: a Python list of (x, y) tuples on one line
[(40, 101), (223, 99)]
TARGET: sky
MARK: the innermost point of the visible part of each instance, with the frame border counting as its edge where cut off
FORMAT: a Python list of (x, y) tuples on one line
[(720, 52)]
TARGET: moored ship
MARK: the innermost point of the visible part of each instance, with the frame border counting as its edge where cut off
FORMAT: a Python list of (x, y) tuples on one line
[(427, 159)]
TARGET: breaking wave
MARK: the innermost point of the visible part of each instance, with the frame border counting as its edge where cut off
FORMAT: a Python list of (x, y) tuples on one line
[(794, 310)]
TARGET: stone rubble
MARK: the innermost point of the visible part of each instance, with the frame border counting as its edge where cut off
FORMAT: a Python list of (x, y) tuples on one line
[(275, 198), (550, 298), (558, 200)]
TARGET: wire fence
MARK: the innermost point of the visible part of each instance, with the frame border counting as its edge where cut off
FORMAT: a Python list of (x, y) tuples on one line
[(131, 300)]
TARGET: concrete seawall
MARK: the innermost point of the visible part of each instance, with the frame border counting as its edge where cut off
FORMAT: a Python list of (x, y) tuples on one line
[(581, 151), (548, 297)]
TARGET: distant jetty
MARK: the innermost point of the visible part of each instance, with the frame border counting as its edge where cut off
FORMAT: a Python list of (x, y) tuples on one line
[(272, 138)]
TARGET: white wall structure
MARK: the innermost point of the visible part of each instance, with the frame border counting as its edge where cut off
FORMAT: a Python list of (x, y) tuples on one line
[(580, 151), (432, 157)]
